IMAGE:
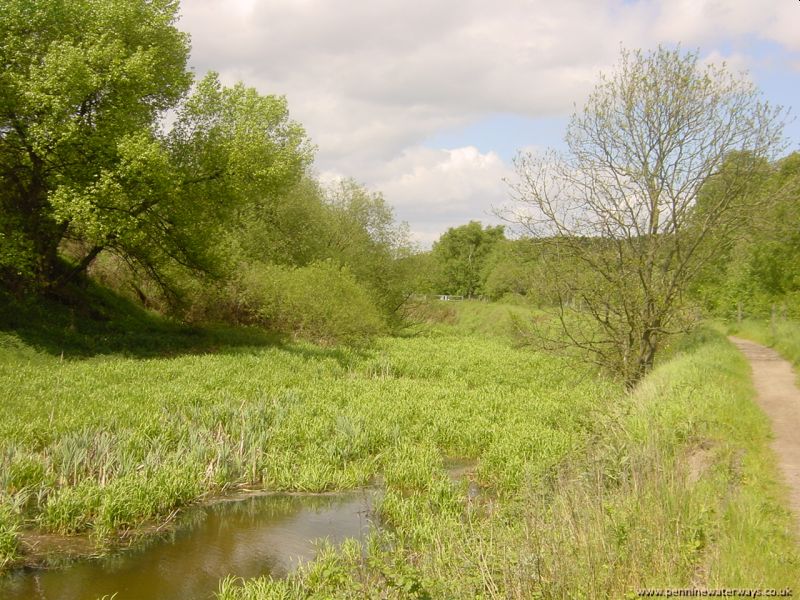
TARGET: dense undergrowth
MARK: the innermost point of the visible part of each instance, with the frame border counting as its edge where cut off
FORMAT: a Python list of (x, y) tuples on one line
[(100, 443), (674, 488), (585, 491), (93, 321)]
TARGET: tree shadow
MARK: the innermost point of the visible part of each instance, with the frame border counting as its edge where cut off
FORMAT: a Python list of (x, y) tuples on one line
[(94, 321)]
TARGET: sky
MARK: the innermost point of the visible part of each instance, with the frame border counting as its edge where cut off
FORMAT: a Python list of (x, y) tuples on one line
[(429, 101)]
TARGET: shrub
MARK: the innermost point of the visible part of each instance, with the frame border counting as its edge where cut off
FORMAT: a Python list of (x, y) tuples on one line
[(321, 302)]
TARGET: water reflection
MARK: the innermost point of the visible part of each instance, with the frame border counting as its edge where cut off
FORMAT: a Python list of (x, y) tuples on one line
[(246, 538)]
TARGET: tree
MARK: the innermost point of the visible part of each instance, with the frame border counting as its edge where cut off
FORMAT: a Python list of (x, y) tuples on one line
[(78, 79), (84, 158), (510, 269), (758, 269), (460, 254), (620, 205), (362, 234), (291, 230), (309, 229)]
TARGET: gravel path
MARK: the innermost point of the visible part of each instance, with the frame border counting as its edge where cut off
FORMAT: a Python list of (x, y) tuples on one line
[(778, 396)]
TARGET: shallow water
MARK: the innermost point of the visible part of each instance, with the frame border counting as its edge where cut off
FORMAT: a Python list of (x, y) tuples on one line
[(246, 538)]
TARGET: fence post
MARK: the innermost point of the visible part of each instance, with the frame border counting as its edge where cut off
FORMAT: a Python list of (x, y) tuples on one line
[(772, 323)]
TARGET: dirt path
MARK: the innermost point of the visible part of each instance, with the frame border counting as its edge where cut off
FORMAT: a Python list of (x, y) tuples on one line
[(778, 396)]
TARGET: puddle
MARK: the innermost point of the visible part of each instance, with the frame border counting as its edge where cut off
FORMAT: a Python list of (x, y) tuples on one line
[(462, 469), (257, 536), (245, 536)]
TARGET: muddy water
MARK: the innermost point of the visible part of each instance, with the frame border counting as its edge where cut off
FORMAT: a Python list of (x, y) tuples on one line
[(246, 538)]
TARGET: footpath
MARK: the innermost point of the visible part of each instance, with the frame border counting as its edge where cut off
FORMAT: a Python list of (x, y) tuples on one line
[(778, 396)]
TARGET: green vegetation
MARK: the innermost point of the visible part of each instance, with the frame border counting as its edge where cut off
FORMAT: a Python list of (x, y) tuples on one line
[(322, 302), (185, 310), (621, 207), (673, 486), (755, 274), (107, 442), (85, 162), (458, 259), (103, 323), (581, 486), (185, 196)]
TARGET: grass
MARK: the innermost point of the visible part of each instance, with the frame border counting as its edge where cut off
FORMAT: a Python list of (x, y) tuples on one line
[(784, 335), (106, 442), (90, 322), (681, 489), (585, 491), (674, 486)]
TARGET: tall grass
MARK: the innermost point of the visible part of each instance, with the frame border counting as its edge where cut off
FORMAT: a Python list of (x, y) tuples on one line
[(106, 443), (674, 487), (584, 491), (679, 491)]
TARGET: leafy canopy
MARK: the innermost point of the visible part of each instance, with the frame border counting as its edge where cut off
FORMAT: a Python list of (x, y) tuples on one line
[(85, 159), (460, 254)]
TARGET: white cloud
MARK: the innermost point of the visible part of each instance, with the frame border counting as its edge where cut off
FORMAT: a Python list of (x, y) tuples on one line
[(372, 79), (735, 62), (711, 21), (437, 189)]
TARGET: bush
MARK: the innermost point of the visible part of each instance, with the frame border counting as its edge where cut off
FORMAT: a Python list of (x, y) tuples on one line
[(322, 303)]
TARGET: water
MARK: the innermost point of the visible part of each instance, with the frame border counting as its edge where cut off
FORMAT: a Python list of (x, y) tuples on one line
[(246, 538)]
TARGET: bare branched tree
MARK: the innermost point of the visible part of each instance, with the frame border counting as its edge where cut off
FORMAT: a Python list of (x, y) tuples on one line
[(620, 207)]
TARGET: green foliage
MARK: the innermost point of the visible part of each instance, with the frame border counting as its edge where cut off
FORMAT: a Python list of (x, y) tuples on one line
[(364, 236), (291, 229), (9, 542), (84, 158), (620, 206), (422, 273), (93, 180), (96, 321), (76, 98), (512, 269), (134, 437), (685, 460), (279, 247), (16, 253), (321, 302), (499, 320), (460, 255), (504, 273), (573, 478), (758, 268)]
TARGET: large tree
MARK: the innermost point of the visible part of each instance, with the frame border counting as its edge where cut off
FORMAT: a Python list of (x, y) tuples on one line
[(362, 234), (85, 88), (619, 207), (460, 255)]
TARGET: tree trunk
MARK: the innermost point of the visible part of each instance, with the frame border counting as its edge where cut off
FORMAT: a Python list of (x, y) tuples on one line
[(78, 269), (28, 202)]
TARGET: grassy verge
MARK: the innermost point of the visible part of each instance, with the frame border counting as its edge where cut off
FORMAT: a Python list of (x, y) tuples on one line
[(784, 336), (681, 490), (676, 488)]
